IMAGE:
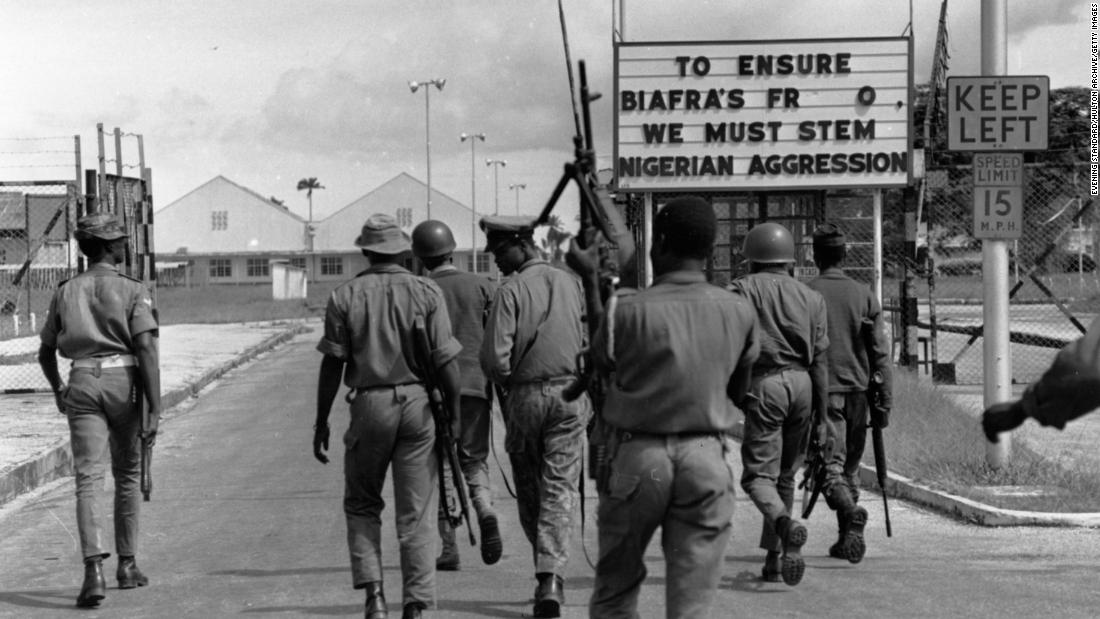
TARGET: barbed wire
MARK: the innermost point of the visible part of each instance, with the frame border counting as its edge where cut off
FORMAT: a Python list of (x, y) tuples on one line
[(35, 152), (57, 137)]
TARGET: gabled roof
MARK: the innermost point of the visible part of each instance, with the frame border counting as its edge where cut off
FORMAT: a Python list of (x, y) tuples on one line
[(12, 215), (221, 179), (402, 178)]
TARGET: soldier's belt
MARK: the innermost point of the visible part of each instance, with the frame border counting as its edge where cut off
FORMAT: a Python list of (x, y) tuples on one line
[(106, 363), (543, 381), (772, 371)]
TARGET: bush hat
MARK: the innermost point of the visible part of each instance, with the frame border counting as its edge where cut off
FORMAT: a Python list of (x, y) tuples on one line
[(382, 235), (99, 226)]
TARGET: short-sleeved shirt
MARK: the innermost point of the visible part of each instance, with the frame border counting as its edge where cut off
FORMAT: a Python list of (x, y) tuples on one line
[(468, 297), (535, 327), (369, 324), (793, 320), (857, 343), (98, 313), (676, 346)]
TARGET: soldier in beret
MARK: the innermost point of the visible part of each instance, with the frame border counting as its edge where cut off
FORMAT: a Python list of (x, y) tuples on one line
[(532, 337), (857, 349), (104, 321), (368, 341)]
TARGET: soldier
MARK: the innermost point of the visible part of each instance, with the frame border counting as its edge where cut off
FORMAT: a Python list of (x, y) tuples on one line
[(680, 351), (104, 321), (368, 339), (1068, 389), (857, 347), (789, 392), (467, 296), (532, 338)]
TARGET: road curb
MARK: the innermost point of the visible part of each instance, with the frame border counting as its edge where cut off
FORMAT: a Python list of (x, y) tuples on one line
[(57, 460)]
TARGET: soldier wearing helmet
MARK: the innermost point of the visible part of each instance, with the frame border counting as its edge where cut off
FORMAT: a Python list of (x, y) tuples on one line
[(104, 321), (788, 392), (857, 348), (467, 297), (367, 341)]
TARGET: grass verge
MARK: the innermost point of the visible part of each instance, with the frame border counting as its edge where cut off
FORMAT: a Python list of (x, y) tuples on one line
[(937, 443), (244, 303)]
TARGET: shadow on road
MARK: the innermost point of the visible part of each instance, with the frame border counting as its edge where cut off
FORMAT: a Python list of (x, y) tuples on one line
[(52, 599), (301, 571)]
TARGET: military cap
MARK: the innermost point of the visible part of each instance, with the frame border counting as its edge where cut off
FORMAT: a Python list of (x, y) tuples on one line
[(829, 235), (99, 226), (500, 228), (382, 235)]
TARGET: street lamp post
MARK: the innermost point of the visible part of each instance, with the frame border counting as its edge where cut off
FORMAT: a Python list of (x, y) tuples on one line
[(414, 86), (517, 187), (473, 137), (497, 164)]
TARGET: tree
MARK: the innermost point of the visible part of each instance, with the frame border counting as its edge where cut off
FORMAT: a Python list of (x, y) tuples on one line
[(309, 184), (555, 236)]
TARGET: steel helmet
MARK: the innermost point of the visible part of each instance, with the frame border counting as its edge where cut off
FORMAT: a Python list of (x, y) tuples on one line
[(769, 243), (431, 239)]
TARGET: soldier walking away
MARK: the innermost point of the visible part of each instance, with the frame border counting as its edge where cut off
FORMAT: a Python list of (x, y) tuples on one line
[(105, 322), (681, 352), (1068, 389), (369, 340), (468, 297), (789, 393), (532, 339), (857, 349)]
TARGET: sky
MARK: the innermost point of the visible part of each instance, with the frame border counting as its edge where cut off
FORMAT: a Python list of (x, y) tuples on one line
[(267, 92)]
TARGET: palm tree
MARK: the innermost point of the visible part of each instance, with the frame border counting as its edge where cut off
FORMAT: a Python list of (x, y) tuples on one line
[(309, 184), (555, 236)]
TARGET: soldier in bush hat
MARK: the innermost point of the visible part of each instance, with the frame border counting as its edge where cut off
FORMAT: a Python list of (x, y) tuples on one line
[(532, 337), (367, 340), (104, 321), (788, 392), (468, 296), (857, 349)]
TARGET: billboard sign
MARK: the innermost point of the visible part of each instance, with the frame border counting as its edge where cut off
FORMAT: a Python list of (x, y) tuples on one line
[(763, 115)]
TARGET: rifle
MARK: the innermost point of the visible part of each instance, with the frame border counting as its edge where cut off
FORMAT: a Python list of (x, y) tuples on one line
[(813, 477), (880, 418), (146, 453), (444, 437)]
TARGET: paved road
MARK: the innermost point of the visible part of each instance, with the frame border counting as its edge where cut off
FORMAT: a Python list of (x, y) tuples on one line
[(244, 522)]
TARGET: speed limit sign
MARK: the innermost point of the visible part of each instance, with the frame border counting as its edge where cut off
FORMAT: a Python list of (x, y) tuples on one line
[(998, 195)]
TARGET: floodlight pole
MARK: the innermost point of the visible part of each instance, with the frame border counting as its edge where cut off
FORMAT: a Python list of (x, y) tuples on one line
[(996, 360), (414, 86), (497, 164), (473, 137)]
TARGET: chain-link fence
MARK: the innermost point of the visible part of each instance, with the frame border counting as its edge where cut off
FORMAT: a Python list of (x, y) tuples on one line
[(36, 254), (1054, 284)]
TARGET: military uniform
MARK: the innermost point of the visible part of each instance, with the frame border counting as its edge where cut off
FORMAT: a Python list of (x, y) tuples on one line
[(95, 319), (468, 297), (369, 328), (532, 338), (676, 346), (857, 347), (789, 385)]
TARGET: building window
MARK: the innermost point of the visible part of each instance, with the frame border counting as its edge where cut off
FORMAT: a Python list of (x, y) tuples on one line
[(482, 262), (404, 216), (219, 220), (257, 267), (332, 265), (298, 262), (221, 267)]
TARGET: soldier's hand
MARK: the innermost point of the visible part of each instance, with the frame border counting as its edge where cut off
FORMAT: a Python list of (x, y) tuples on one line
[(821, 434), (1002, 418), (320, 443), (149, 435), (59, 399)]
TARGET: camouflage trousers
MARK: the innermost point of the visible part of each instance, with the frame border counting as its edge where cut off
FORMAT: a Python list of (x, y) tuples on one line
[(545, 443), (777, 432), (847, 426)]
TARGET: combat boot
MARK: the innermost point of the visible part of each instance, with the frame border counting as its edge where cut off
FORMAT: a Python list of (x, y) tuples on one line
[(376, 601), (448, 560), (95, 586), (129, 575), (791, 563), (413, 610), (839, 550), (853, 541), (491, 545), (549, 595), (772, 571)]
